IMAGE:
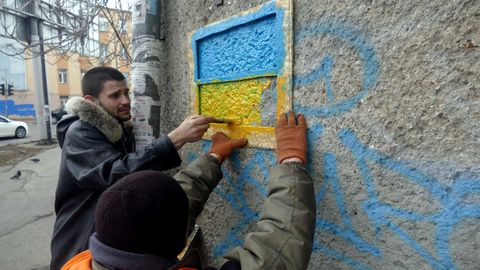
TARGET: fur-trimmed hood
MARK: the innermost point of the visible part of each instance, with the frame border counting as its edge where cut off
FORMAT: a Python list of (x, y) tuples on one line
[(96, 116)]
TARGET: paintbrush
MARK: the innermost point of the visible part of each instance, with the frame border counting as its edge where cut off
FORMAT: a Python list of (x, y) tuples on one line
[(227, 121)]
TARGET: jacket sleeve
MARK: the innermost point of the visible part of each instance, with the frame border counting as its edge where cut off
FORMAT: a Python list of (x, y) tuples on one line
[(283, 237), (96, 164), (198, 180)]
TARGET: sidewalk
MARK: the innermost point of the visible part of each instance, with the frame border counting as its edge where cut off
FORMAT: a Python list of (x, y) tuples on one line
[(26, 211)]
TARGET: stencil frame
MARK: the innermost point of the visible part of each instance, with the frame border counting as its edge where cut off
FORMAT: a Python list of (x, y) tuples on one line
[(281, 70)]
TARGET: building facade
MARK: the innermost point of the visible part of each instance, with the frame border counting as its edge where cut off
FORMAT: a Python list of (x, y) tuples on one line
[(102, 39)]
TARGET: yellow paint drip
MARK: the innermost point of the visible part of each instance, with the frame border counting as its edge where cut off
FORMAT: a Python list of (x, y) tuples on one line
[(234, 100)]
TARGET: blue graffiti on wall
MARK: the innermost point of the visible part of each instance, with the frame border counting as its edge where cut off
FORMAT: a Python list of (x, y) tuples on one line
[(366, 53), (453, 210), (10, 108)]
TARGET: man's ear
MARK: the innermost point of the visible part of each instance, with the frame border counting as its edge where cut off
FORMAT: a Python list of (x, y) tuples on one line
[(89, 98)]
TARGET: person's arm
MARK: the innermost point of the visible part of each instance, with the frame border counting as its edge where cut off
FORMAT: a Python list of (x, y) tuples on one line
[(96, 164), (202, 175), (283, 237), (198, 180)]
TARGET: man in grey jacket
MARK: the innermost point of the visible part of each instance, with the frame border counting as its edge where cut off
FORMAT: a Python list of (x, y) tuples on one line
[(148, 228), (98, 149)]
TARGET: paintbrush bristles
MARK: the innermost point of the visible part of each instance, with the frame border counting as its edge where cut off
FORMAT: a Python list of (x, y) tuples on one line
[(227, 121)]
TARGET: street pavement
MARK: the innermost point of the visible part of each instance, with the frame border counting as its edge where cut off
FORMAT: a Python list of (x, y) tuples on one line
[(26, 211)]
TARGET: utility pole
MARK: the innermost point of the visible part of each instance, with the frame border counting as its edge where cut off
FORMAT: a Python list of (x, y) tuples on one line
[(44, 83), (43, 110), (4, 91), (147, 69)]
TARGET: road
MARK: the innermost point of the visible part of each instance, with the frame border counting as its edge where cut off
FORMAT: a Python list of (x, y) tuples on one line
[(33, 135)]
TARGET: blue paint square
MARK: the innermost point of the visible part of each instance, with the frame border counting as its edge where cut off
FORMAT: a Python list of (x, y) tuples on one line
[(243, 47)]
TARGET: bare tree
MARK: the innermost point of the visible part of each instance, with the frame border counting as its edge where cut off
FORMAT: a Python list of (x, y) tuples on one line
[(119, 40), (69, 27)]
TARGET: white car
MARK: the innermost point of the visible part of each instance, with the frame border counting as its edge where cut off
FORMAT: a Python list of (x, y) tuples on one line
[(10, 128)]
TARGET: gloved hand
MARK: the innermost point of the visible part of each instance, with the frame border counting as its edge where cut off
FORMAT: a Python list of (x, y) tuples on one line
[(223, 147), (291, 137)]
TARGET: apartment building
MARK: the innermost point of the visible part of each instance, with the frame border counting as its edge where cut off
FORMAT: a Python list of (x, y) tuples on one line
[(68, 56)]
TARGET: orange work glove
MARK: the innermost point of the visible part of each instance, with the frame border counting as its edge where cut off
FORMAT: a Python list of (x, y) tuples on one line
[(291, 137), (223, 146)]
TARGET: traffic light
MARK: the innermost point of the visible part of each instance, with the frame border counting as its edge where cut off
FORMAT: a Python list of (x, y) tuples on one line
[(2, 89), (9, 90)]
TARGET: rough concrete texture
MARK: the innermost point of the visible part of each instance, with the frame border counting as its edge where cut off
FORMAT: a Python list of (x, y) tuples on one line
[(391, 90)]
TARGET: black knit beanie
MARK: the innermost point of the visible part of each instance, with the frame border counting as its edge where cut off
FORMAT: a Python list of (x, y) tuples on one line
[(145, 212)]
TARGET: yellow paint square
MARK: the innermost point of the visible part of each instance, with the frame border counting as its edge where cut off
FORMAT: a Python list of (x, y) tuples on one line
[(236, 100)]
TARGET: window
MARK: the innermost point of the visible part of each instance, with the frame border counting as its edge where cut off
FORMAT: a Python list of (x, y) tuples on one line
[(3, 120), (103, 51), (122, 26), (103, 24), (123, 53), (62, 76), (63, 101)]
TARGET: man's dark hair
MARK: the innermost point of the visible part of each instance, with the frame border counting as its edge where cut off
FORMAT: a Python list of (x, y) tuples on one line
[(93, 80)]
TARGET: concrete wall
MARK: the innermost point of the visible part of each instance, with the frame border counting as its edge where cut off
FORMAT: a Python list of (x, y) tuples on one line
[(391, 90)]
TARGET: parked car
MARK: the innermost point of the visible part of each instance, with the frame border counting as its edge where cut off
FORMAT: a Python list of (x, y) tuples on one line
[(10, 128), (58, 114)]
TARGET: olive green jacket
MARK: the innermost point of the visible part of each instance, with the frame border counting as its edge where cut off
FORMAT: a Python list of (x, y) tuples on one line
[(283, 237)]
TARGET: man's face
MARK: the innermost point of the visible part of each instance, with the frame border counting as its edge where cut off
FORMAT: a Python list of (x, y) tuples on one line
[(114, 98)]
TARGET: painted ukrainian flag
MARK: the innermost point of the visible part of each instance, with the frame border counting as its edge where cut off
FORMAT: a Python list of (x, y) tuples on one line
[(239, 66)]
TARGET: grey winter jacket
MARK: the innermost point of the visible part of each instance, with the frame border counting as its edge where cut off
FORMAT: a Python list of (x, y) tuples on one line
[(96, 152), (283, 237)]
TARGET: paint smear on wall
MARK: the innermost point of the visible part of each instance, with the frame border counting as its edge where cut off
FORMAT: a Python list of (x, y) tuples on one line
[(238, 100)]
